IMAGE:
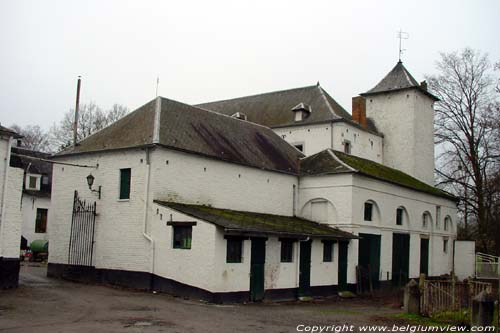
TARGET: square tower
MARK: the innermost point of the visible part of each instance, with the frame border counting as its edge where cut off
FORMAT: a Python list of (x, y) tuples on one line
[(403, 112)]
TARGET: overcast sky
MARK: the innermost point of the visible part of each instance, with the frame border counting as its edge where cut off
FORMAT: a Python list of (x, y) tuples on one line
[(211, 50)]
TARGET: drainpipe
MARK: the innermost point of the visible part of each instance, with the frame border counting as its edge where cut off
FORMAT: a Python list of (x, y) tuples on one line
[(145, 221)]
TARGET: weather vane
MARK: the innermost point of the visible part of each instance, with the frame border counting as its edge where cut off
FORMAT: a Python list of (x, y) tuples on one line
[(402, 35)]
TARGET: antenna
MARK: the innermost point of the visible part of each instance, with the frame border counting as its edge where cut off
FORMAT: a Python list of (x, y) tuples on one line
[(402, 35), (157, 84)]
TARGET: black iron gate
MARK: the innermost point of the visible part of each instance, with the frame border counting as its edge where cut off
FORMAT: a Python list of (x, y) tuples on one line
[(81, 241)]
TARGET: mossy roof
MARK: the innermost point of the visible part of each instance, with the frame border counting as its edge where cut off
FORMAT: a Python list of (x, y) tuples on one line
[(334, 162), (250, 223)]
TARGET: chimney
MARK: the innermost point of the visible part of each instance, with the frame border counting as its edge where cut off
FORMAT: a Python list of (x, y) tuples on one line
[(75, 124), (359, 110), (423, 85)]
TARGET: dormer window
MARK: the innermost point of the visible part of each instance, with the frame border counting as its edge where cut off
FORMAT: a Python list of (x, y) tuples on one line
[(239, 115), (302, 111), (33, 182)]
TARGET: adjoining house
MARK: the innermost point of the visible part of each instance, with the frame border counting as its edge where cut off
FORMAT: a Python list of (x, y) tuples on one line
[(273, 196), (11, 181), (37, 187)]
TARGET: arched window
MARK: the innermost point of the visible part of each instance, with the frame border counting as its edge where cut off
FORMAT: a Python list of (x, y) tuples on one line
[(401, 216), (447, 223), (319, 210), (370, 211), (426, 220)]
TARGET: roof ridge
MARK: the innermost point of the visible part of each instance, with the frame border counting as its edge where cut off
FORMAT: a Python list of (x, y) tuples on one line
[(330, 108), (332, 153), (255, 95)]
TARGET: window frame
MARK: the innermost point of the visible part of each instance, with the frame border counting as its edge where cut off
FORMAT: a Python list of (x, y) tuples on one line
[(287, 250), (185, 232), (40, 223), (121, 190), (400, 211), (328, 246), (36, 178), (445, 244), (371, 211), (232, 243)]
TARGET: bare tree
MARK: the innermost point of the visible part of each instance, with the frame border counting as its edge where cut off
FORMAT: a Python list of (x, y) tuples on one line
[(34, 137), (91, 118), (466, 138)]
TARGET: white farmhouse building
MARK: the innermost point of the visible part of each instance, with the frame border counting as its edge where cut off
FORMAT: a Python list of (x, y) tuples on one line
[(215, 202), (35, 203), (11, 180)]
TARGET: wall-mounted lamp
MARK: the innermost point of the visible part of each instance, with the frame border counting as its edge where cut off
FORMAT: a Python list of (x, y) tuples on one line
[(90, 182)]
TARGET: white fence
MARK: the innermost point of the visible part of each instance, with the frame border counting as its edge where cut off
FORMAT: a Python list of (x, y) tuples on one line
[(487, 266)]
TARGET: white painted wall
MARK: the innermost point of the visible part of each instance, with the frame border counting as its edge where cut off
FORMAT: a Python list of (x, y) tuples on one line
[(465, 258), (119, 243), (318, 137), (348, 193), (363, 144), (314, 138), (10, 228), (405, 118), (30, 204), (190, 178), (11, 182)]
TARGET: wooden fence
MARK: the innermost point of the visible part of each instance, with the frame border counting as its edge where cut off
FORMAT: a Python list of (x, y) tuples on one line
[(438, 296)]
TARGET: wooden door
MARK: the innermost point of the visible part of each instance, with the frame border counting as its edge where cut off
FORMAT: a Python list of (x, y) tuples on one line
[(400, 259), (305, 269), (424, 256), (342, 271), (257, 263)]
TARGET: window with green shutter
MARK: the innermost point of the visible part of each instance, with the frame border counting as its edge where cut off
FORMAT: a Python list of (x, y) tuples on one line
[(125, 183)]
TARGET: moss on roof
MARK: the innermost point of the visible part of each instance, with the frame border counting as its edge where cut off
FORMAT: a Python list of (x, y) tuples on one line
[(325, 163), (258, 223)]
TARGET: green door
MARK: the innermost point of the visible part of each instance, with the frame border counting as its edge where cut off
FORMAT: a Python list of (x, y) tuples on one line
[(424, 256), (400, 259), (342, 271), (369, 261), (305, 269), (257, 262)]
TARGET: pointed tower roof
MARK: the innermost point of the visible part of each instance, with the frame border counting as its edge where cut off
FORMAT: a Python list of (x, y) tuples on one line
[(399, 78)]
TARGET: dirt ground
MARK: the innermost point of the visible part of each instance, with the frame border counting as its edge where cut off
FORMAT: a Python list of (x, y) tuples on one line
[(48, 305)]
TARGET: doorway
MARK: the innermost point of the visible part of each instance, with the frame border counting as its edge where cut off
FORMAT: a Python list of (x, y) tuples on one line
[(400, 259), (305, 269), (257, 263)]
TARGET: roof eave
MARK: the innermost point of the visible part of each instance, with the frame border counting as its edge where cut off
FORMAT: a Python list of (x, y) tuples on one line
[(425, 92)]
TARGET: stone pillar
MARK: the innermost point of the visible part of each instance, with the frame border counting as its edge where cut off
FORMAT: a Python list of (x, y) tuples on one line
[(412, 297), (483, 309)]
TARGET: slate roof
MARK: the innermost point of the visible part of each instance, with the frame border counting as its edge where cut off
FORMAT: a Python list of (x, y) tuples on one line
[(334, 162), (7, 131), (399, 78), (20, 158), (274, 109), (194, 130), (249, 223)]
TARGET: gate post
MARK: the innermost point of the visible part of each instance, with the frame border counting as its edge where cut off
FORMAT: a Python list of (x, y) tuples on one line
[(412, 297), (483, 308)]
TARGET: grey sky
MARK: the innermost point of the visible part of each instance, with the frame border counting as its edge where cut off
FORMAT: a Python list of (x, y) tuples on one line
[(211, 50)]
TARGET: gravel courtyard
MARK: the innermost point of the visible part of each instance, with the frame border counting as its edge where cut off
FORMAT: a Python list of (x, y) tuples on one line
[(46, 305)]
